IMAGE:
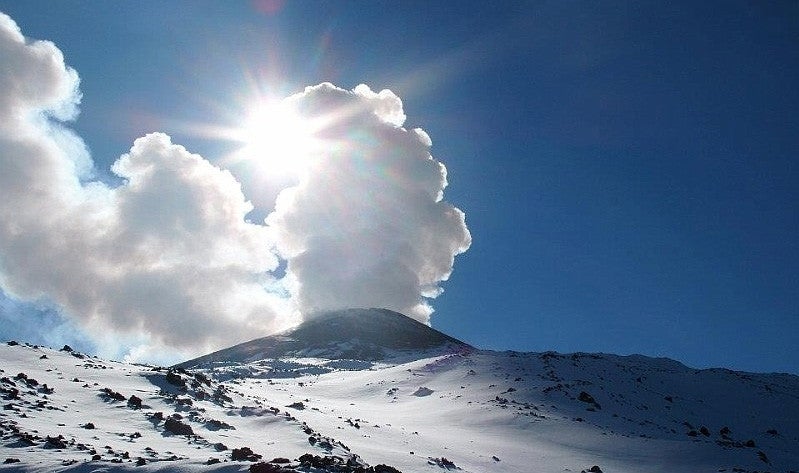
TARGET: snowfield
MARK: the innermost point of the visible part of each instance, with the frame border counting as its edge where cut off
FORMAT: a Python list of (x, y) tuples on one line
[(468, 410)]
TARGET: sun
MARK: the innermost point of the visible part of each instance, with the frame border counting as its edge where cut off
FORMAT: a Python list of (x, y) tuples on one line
[(277, 139)]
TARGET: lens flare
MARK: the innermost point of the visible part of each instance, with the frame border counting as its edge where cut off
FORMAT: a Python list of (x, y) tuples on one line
[(277, 139)]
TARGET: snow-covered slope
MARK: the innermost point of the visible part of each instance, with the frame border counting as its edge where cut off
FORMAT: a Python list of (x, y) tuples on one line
[(469, 410)]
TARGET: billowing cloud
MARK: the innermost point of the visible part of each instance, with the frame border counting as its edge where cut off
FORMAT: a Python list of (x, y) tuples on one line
[(366, 226), (168, 255), (168, 258)]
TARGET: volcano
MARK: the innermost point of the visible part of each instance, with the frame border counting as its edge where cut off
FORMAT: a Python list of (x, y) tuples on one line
[(358, 334)]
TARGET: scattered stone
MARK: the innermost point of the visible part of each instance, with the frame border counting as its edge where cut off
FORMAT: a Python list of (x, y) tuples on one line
[(134, 401), (587, 398), (593, 469), (201, 378), (113, 395), (67, 349), (297, 405), (175, 379), (244, 454), (353, 423), (12, 343), (88, 426), (443, 463), (383, 469), (213, 461), (214, 424), (11, 460), (704, 431), (316, 461), (280, 460), (265, 468), (423, 391), (177, 427), (762, 456), (184, 401), (495, 458), (220, 395)]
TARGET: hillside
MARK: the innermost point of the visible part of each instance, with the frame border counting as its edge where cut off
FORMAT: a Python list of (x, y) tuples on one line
[(467, 410)]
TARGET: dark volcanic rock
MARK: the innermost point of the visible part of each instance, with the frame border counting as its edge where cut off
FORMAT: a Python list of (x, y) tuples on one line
[(589, 399), (265, 468), (177, 427), (55, 442), (383, 469), (175, 379), (113, 395), (134, 401), (443, 462), (244, 454)]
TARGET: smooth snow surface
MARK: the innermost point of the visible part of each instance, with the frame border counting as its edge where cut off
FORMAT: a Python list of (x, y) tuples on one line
[(482, 411)]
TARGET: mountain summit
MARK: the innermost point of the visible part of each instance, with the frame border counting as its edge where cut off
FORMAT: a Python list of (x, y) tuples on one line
[(361, 334)]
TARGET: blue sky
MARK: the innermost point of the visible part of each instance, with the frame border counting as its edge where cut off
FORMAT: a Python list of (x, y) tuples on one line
[(628, 171)]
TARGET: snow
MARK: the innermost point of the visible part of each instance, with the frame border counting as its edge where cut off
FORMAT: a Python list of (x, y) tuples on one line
[(481, 410)]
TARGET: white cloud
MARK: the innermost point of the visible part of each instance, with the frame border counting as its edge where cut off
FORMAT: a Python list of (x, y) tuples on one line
[(167, 255), (167, 259), (367, 226)]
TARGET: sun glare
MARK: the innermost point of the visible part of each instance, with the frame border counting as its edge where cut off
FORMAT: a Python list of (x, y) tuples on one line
[(277, 139)]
